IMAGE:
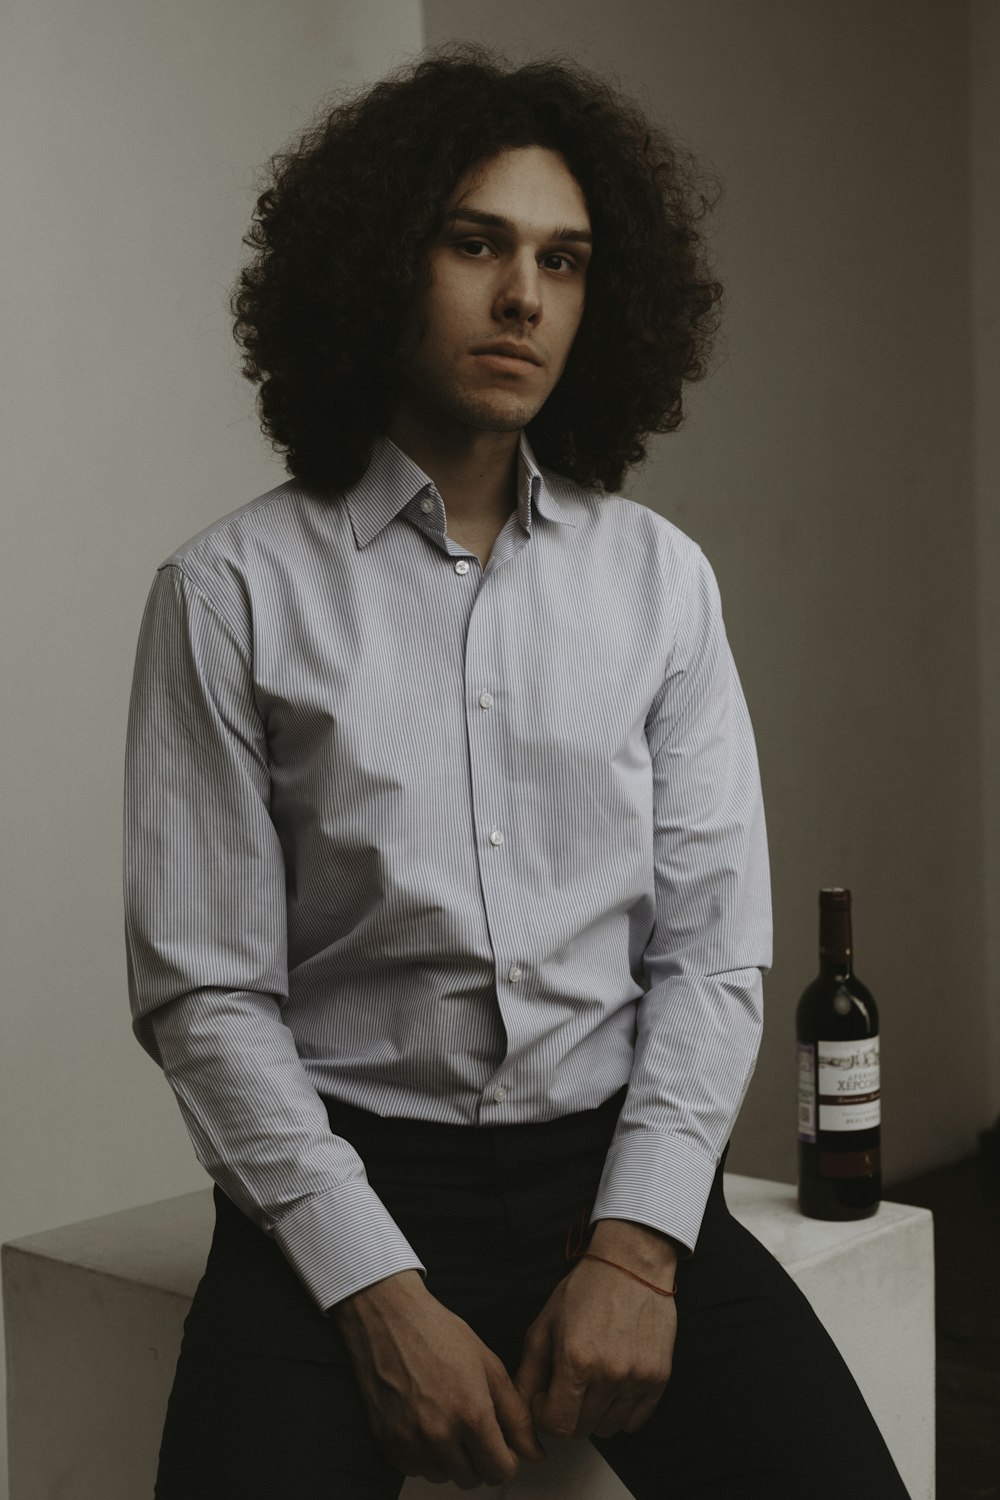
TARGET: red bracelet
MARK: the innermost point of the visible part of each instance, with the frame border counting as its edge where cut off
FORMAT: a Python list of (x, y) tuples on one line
[(576, 1252), (660, 1290)]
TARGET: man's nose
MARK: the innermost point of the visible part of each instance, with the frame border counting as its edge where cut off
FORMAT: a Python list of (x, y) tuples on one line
[(519, 297)]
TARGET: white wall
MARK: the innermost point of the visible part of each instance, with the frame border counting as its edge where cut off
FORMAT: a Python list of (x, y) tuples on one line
[(131, 132), (827, 471)]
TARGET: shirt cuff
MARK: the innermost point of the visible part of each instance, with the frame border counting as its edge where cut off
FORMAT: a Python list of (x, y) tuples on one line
[(659, 1180), (343, 1240)]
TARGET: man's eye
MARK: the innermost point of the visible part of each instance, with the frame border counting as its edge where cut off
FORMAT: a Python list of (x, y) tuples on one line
[(565, 264), (475, 248)]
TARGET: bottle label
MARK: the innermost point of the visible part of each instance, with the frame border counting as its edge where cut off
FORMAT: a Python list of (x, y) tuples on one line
[(807, 1092), (849, 1084)]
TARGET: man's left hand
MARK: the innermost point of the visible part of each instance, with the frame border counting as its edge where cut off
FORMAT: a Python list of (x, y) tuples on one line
[(599, 1355)]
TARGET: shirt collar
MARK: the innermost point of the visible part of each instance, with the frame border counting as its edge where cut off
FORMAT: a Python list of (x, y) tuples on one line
[(393, 485)]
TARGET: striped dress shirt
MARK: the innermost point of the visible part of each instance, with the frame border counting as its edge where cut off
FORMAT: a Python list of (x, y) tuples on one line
[(471, 845)]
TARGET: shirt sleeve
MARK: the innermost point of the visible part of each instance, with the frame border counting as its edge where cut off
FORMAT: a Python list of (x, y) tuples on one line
[(206, 943), (699, 1022)]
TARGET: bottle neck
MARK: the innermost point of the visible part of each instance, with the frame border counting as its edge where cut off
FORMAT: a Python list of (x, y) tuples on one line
[(836, 965), (836, 948)]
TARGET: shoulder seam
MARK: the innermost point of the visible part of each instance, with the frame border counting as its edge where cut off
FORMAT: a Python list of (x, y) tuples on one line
[(694, 555), (207, 533), (209, 604)]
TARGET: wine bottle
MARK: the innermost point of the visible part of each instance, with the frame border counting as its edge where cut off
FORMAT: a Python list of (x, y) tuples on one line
[(840, 1169)]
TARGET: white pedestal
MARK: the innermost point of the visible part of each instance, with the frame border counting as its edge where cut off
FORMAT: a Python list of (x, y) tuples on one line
[(94, 1313)]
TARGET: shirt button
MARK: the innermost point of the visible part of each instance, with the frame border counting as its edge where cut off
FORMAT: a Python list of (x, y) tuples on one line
[(427, 505), (496, 837), (499, 1093), (485, 700), (514, 974), (462, 567)]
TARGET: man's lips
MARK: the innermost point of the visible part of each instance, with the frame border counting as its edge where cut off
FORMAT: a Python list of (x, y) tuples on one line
[(507, 352)]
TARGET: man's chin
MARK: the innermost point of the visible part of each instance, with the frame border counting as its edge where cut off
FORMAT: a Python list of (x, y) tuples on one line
[(490, 416), (487, 408)]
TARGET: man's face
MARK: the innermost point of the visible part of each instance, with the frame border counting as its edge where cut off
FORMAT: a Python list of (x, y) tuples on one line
[(509, 267)]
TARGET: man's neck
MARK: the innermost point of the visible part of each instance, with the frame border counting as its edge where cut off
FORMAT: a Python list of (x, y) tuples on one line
[(475, 472)]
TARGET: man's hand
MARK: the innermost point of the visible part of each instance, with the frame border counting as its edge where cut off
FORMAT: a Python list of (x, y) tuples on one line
[(439, 1402), (599, 1354)]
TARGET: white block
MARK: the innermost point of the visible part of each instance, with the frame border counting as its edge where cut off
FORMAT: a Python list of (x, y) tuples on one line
[(872, 1284), (94, 1313)]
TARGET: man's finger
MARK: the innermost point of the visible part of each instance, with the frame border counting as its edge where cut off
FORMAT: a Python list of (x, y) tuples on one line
[(515, 1419), (535, 1369), (460, 1466), (489, 1453), (597, 1406), (642, 1411), (615, 1417), (559, 1410)]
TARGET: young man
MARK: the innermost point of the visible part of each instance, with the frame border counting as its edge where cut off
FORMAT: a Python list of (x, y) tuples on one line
[(447, 893)]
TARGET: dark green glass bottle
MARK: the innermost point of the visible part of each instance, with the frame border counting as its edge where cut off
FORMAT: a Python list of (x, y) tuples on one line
[(840, 1168)]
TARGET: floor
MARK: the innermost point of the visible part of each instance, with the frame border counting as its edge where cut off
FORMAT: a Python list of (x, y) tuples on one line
[(965, 1201)]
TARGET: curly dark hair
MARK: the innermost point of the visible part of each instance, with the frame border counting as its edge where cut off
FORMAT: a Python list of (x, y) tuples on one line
[(343, 228)]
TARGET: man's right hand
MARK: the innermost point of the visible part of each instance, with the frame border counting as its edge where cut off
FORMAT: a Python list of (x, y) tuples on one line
[(439, 1402)]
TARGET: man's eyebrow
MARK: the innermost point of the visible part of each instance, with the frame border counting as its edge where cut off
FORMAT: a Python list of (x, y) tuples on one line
[(498, 221)]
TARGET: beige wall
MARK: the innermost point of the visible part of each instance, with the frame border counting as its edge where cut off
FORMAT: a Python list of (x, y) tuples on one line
[(131, 130), (985, 116), (827, 470)]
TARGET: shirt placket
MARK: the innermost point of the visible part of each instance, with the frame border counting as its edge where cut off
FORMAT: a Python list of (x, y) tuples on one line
[(487, 705)]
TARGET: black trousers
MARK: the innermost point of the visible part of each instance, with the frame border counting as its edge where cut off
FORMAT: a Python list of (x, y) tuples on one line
[(264, 1402)]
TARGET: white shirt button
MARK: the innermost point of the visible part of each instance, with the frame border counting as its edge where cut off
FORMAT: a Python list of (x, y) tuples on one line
[(496, 837), (499, 1093), (462, 567), (514, 974), (427, 505), (485, 700)]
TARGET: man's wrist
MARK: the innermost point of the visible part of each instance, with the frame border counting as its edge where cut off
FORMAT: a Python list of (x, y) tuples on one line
[(371, 1300), (638, 1246)]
